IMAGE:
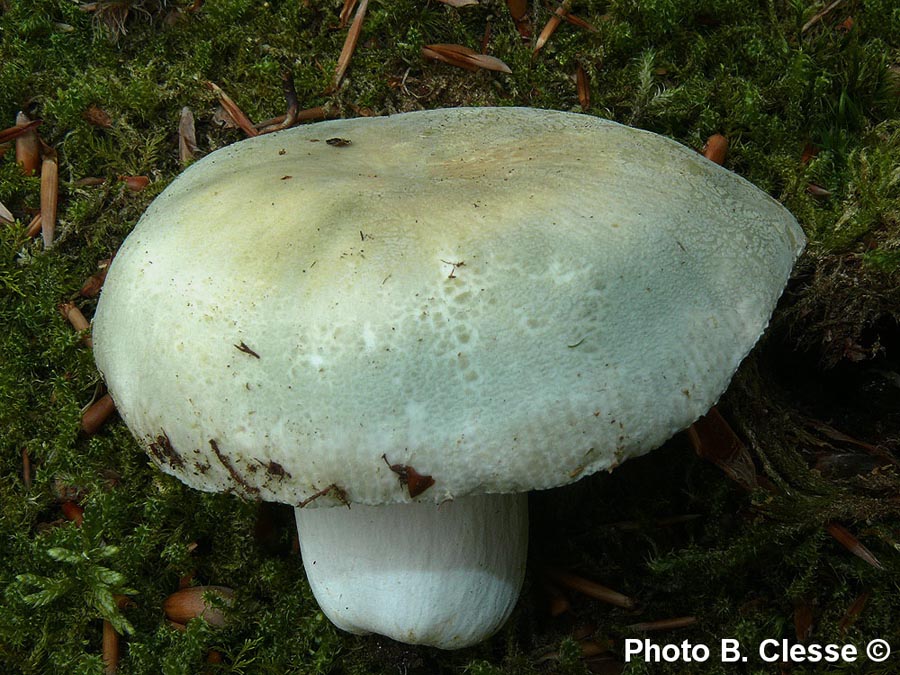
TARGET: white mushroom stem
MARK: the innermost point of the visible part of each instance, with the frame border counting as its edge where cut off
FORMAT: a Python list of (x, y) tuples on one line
[(447, 576)]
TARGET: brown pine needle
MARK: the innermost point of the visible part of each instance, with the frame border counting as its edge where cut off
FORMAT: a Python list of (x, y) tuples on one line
[(716, 148), (463, 57), (853, 612), (49, 197), (293, 106), (552, 25), (591, 589), (34, 227), (583, 85), (74, 316), (346, 11), (110, 649), (233, 110), (12, 133), (852, 544), (581, 23), (26, 468), (135, 183), (28, 149), (713, 439), (664, 624), (187, 136), (96, 414), (350, 43), (803, 621)]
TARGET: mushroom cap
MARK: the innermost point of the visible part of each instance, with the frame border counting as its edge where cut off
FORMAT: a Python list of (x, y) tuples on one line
[(503, 299)]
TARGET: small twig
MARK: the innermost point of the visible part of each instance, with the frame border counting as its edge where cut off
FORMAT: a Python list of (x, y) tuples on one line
[(26, 468), (293, 106)]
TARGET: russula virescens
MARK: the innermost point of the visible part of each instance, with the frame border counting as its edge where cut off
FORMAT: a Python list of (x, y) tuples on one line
[(424, 316)]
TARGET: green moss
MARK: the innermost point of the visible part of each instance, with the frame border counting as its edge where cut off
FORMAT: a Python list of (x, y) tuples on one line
[(738, 562)]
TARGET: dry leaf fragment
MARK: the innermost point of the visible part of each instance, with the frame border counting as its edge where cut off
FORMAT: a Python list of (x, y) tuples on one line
[(28, 149), (852, 544), (234, 112), (187, 136), (459, 3), (96, 414), (49, 197), (350, 43), (73, 512), (188, 603), (817, 190), (448, 57), (591, 589), (552, 25), (583, 85), (809, 151), (97, 116), (713, 439), (716, 148)]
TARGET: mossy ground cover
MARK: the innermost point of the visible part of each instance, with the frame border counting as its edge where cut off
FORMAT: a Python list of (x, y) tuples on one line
[(817, 404)]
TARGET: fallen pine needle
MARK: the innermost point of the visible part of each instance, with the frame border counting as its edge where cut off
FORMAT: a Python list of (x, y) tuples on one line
[(518, 9), (187, 136), (552, 25), (350, 43), (49, 197), (34, 227), (664, 624), (97, 413), (12, 133), (6, 214), (28, 149), (346, 11), (852, 544), (591, 589), (464, 57), (234, 112), (713, 439), (716, 148), (110, 649), (74, 316), (26, 468), (583, 85), (135, 183), (853, 611)]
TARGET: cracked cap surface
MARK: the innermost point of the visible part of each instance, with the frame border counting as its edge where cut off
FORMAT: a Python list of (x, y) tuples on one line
[(502, 299)]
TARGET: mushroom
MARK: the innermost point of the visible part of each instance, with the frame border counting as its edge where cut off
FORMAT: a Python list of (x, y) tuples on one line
[(401, 325)]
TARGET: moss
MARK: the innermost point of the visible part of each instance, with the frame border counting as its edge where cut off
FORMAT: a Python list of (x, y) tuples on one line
[(738, 562)]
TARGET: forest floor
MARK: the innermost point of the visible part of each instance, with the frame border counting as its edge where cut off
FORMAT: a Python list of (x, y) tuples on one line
[(808, 95)]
